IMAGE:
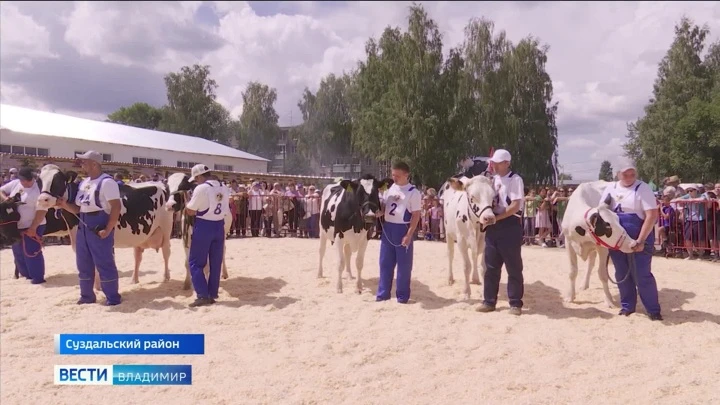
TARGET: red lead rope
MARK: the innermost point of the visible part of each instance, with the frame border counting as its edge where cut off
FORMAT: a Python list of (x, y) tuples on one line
[(599, 241)]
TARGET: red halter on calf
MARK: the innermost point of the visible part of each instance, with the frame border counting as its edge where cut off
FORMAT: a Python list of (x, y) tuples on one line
[(599, 241)]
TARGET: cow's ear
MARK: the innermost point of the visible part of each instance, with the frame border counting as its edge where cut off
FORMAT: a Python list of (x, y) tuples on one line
[(456, 184), (348, 185), (580, 231), (385, 184)]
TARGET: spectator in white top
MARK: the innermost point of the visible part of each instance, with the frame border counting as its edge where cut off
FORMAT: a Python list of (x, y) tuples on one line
[(28, 254)]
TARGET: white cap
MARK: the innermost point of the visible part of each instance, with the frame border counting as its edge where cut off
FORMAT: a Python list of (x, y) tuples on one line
[(13, 170), (90, 155), (500, 155), (625, 164), (198, 170)]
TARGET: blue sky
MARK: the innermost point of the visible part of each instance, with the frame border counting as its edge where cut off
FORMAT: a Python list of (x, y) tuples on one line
[(90, 58)]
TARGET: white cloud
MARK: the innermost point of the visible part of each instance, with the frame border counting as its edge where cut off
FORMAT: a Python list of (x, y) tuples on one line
[(22, 37), (603, 56)]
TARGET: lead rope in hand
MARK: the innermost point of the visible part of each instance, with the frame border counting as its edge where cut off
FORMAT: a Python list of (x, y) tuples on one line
[(387, 238)]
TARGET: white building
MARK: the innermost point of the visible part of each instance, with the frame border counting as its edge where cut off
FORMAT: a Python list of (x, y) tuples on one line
[(39, 133)]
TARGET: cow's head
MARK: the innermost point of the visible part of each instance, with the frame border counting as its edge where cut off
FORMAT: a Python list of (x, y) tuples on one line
[(481, 194), (365, 192), (178, 185), (603, 226), (53, 183), (9, 217)]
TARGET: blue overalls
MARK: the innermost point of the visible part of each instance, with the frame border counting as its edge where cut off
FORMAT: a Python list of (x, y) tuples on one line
[(503, 245), (392, 253), (208, 240), (646, 284), (92, 252), (29, 260)]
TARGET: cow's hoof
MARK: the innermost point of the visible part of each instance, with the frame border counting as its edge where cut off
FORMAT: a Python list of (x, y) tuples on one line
[(476, 282), (339, 290), (451, 281), (186, 286), (359, 291), (225, 276), (585, 287), (568, 300), (136, 281), (466, 296)]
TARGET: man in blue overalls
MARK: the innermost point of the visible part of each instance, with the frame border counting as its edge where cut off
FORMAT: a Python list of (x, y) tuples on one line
[(28, 254), (503, 240), (209, 204), (636, 206), (401, 217), (98, 206)]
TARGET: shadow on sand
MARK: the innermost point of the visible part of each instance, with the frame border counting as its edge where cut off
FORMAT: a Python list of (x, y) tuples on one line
[(159, 297), (69, 280), (671, 302), (255, 292), (419, 294)]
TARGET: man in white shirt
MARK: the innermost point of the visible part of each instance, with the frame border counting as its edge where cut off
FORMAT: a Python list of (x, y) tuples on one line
[(503, 240), (98, 205), (636, 206), (209, 204), (401, 216), (29, 258)]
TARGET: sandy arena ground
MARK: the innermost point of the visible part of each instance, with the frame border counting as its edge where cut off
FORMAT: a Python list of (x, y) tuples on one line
[(279, 335)]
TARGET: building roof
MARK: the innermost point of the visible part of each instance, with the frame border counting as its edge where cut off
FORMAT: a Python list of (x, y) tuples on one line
[(24, 120)]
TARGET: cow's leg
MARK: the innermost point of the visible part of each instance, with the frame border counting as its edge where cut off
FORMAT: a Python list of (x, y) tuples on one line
[(188, 281), (340, 247), (572, 256), (359, 263), (347, 251), (166, 257), (463, 245), (450, 241), (603, 255), (591, 264), (96, 284), (323, 241), (224, 266), (476, 250), (137, 253)]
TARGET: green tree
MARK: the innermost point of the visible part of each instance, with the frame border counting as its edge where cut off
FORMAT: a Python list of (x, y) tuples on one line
[(511, 95), (400, 109), (141, 115), (678, 133), (259, 130), (192, 109), (606, 171)]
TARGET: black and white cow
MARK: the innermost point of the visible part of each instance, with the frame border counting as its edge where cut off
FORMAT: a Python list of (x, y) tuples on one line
[(467, 206), (143, 223), (590, 227), (179, 186), (348, 211)]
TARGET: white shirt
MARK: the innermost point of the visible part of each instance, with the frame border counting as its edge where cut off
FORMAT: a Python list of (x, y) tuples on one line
[(29, 196), (256, 199), (635, 199), (401, 202), (86, 197), (210, 200), (508, 188)]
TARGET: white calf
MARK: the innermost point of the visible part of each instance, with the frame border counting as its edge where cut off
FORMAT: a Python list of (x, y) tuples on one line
[(467, 205)]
